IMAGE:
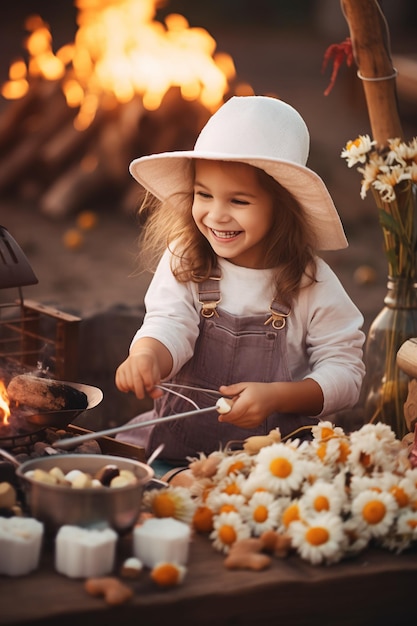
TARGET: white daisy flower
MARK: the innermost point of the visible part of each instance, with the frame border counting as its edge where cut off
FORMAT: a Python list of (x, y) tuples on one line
[(175, 502), (221, 502), (401, 152), (252, 484), (359, 483), (322, 496), (238, 463), (376, 509), (411, 474), (403, 532), (357, 151), (402, 488), (326, 430), (407, 524), (290, 512), (333, 452), (369, 173), (201, 488), (228, 528), (262, 512), (397, 152), (373, 449), (382, 432), (318, 539), (231, 484), (316, 470), (281, 468), (388, 179)]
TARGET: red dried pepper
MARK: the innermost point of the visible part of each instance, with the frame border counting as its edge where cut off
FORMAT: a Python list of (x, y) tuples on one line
[(338, 52)]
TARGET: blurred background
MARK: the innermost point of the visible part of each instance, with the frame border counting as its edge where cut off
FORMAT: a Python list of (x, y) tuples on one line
[(81, 240)]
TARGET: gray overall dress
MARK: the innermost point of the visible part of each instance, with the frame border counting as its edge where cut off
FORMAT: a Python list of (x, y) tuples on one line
[(229, 349)]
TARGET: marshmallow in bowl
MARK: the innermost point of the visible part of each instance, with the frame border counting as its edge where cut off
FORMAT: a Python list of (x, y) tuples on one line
[(20, 545)]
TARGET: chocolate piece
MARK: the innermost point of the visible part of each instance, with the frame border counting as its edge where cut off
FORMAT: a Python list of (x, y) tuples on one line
[(106, 474)]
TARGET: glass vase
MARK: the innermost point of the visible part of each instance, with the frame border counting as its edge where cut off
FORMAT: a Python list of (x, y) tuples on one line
[(385, 386)]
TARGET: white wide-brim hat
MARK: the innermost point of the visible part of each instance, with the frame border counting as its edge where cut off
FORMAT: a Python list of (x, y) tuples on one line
[(261, 131)]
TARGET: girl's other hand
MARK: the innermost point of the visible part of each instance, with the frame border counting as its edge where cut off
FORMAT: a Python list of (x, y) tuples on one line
[(148, 362), (139, 373), (253, 402)]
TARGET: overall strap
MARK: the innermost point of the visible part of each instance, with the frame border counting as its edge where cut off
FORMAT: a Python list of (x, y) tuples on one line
[(279, 314), (209, 294), (209, 297)]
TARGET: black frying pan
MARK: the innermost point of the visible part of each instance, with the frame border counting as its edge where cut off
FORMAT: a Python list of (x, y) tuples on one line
[(61, 418)]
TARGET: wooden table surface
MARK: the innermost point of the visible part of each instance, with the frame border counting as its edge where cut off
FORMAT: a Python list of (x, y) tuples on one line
[(374, 588)]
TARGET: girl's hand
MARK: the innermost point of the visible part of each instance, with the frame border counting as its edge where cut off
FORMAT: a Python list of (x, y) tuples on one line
[(253, 402), (139, 373), (149, 361)]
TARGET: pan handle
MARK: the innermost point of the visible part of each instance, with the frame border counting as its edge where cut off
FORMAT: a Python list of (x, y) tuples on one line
[(9, 457)]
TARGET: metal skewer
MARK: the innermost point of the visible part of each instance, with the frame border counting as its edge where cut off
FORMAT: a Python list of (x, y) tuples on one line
[(74, 441)]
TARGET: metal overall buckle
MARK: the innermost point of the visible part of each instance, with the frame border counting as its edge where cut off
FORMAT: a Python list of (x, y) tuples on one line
[(208, 309), (209, 306), (278, 320)]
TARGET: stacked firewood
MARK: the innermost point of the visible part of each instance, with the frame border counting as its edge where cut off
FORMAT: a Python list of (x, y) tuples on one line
[(44, 160)]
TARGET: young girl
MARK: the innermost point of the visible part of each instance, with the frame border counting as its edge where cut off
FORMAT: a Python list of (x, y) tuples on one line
[(240, 302)]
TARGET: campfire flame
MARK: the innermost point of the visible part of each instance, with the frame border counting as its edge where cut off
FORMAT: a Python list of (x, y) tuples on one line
[(4, 404), (120, 51)]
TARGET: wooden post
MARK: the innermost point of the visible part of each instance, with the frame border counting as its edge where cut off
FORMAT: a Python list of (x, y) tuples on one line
[(371, 50)]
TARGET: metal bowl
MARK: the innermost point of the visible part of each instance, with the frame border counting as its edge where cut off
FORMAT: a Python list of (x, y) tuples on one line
[(94, 507)]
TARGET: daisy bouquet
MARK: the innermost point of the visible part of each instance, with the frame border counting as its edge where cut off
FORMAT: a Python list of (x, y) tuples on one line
[(391, 175), (326, 499)]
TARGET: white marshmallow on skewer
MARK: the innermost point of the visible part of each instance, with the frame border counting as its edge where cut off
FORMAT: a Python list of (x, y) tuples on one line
[(224, 405)]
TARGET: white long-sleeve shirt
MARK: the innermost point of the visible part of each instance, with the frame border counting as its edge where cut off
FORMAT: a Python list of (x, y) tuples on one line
[(324, 335)]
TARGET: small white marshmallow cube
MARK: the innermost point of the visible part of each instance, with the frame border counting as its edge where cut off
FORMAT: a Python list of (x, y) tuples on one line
[(20, 545), (161, 540), (83, 552)]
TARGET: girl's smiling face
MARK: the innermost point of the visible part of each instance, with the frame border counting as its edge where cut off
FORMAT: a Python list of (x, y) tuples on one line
[(233, 211)]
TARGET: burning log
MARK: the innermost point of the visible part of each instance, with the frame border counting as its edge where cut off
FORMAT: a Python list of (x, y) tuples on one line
[(100, 102), (63, 169), (30, 135), (13, 118), (69, 143)]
